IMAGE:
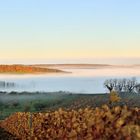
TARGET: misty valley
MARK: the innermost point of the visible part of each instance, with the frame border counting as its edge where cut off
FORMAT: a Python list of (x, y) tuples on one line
[(76, 81)]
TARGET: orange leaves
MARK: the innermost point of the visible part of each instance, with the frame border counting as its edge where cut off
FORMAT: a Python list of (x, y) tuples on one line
[(24, 69), (83, 124), (114, 97)]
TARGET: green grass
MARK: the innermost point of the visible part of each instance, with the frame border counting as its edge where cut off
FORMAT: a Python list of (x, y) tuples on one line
[(40, 102)]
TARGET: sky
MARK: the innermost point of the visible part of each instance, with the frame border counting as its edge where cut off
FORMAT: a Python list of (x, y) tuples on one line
[(69, 31)]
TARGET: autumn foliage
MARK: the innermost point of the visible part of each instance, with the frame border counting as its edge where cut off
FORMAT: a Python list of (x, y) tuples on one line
[(24, 69), (114, 97), (103, 123)]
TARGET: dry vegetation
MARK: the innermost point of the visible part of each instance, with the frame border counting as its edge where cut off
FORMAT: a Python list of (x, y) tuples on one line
[(103, 123), (4, 135), (79, 120)]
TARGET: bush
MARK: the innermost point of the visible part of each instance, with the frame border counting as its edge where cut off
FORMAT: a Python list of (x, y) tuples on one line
[(39, 106), (114, 97)]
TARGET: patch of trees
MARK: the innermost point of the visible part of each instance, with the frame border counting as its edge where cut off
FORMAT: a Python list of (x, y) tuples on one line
[(24, 69), (4, 84), (122, 85)]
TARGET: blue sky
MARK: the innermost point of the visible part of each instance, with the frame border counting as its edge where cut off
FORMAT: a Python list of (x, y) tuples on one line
[(69, 30)]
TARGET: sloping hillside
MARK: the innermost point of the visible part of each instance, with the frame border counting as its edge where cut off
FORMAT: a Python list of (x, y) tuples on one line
[(26, 69)]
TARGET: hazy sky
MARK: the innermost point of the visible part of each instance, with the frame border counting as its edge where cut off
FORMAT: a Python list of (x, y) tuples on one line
[(68, 30)]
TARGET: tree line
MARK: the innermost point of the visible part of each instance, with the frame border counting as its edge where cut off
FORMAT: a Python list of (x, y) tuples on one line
[(122, 85), (4, 84)]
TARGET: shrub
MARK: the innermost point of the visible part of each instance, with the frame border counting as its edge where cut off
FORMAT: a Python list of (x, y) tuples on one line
[(114, 97)]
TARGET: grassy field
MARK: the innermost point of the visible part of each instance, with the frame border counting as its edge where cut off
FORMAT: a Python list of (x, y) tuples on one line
[(41, 102)]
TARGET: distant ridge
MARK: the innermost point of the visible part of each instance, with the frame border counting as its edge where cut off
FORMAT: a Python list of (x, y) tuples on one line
[(84, 64), (64, 66), (87, 66), (21, 69)]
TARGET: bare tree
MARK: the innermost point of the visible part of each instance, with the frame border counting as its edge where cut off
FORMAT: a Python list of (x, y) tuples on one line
[(109, 84), (115, 81), (120, 85), (130, 84)]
